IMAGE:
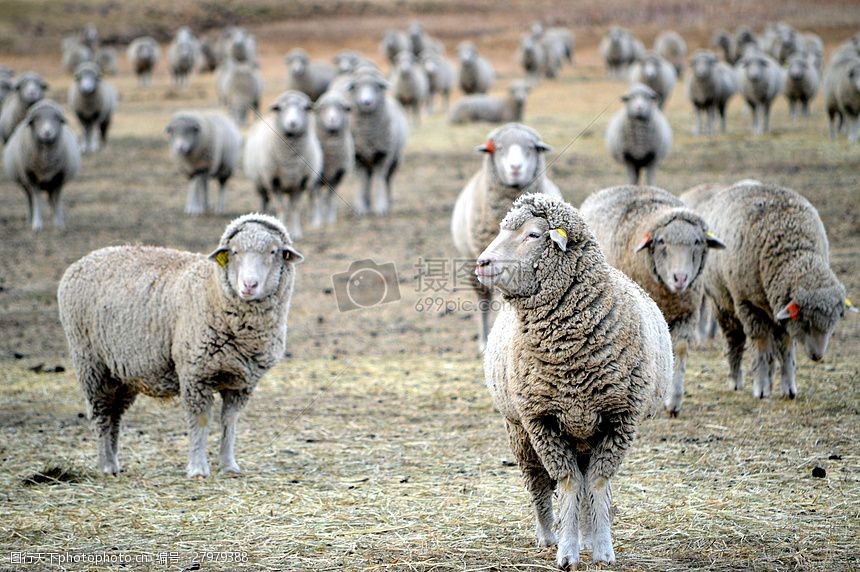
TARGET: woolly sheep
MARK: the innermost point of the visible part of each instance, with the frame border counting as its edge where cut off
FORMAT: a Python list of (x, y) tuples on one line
[(333, 131), (420, 42), (781, 41), (143, 55), (182, 56), (725, 42), (532, 58), (761, 81), (476, 74), (75, 52), (240, 86), (241, 47), (283, 157), (662, 245), (801, 84), (619, 49), (310, 78), (409, 84), (745, 42), (393, 42), (559, 41), (208, 62), (42, 155), (657, 73), (165, 323), (841, 94), (514, 164), (638, 135), (440, 78), (379, 130), (348, 61), (7, 86), (578, 357), (712, 83), (671, 46), (490, 108), (28, 88), (204, 145), (814, 48), (107, 60), (93, 100)]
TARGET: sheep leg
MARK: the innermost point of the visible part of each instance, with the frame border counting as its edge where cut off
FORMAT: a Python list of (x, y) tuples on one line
[(537, 481), (567, 556), (586, 518), (649, 174), (330, 206), (792, 109), (317, 199), (854, 129), (676, 394), (722, 111), (733, 331), (86, 138), (264, 199), (831, 117), (711, 119), (697, 129), (123, 399), (198, 401), (785, 353), (632, 174), (30, 198), (36, 215), (765, 119), (57, 208), (104, 127), (804, 109), (95, 142), (191, 202), (222, 195), (381, 194), (763, 367), (99, 391), (362, 206), (232, 403), (296, 215), (203, 194)]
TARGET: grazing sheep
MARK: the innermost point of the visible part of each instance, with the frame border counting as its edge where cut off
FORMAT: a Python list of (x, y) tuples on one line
[(168, 323), (514, 164), (182, 56), (490, 108), (712, 83), (240, 86), (310, 78), (440, 77), (42, 155), (792, 295), (476, 74), (93, 100), (107, 60), (619, 50), (638, 135), (841, 93), (333, 131), (761, 81), (662, 245), (671, 46), (28, 88), (578, 357), (394, 42), (801, 84), (143, 55), (204, 145), (533, 59), (657, 73), (409, 84), (283, 157), (379, 130)]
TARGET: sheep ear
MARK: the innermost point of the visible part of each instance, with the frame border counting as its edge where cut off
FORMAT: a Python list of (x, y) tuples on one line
[(646, 242), (714, 242), (850, 307), (559, 237), (292, 255), (221, 255), (790, 311), (489, 146), (169, 129), (350, 86), (542, 147), (382, 84), (625, 98), (276, 106)]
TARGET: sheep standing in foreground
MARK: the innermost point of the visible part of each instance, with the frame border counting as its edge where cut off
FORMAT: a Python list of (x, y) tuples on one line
[(476, 74), (283, 157), (310, 78), (186, 325), (619, 50), (490, 108), (27, 89), (333, 131), (841, 95), (240, 87), (657, 73), (409, 84), (143, 55), (182, 56), (671, 46), (93, 100), (638, 135), (712, 83), (662, 245), (801, 84), (42, 155), (514, 164), (440, 78), (578, 357), (792, 296), (204, 145), (379, 130), (761, 81)]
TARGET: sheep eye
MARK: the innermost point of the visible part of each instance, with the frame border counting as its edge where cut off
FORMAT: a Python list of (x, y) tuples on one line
[(234, 251), (660, 241), (533, 234)]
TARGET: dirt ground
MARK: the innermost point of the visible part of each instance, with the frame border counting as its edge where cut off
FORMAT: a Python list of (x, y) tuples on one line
[(374, 445)]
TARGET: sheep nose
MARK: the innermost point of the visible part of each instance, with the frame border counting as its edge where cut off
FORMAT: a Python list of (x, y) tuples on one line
[(815, 356), (250, 284), (484, 261), (680, 280)]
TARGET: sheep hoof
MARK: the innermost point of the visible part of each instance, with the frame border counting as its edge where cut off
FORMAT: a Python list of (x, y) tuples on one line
[(197, 472), (231, 470), (567, 561), (673, 413), (545, 539)]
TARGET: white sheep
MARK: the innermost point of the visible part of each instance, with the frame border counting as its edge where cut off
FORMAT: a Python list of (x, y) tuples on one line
[(712, 84), (333, 131), (491, 108), (841, 94), (657, 73), (182, 56), (310, 78), (240, 87), (409, 84), (476, 74), (801, 84), (27, 89), (93, 100), (672, 47), (393, 42), (143, 54), (619, 49), (761, 81), (440, 77)]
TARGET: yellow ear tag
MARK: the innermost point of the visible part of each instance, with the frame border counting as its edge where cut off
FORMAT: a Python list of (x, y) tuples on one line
[(222, 258), (711, 234), (559, 237), (848, 302)]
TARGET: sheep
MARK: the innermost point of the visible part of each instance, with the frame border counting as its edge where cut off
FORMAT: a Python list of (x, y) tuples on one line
[(440, 78), (28, 88), (619, 49), (347, 61), (657, 73), (7, 86), (283, 157), (792, 296), (143, 55), (492, 109), (379, 130), (107, 60), (75, 52), (514, 164), (409, 84), (712, 83), (393, 42), (240, 87), (93, 100), (42, 155), (168, 323), (781, 41), (476, 74), (746, 42), (239, 46), (671, 46), (559, 41), (842, 96), (638, 135), (333, 131), (725, 42), (310, 78), (208, 57), (814, 48), (761, 81), (801, 84), (662, 245), (578, 357), (182, 56), (533, 58), (204, 145)]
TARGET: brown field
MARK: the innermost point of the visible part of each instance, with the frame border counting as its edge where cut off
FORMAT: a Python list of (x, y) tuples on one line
[(374, 445)]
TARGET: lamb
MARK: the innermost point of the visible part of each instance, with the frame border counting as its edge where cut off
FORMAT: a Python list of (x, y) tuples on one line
[(28, 88), (577, 359), (619, 49), (638, 135), (310, 78), (240, 87), (492, 109), (841, 93), (283, 157), (333, 131), (801, 84), (42, 155), (182, 56), (440, 78), (143, 55), (204, 145), (93, 101), (514, 164), (793, 296), (671, 46), (394, 42), (657, 73), (761, 81), (712, 83), (476, 74), (409, 84), (186, 325), (662, 245), (380, 130)]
